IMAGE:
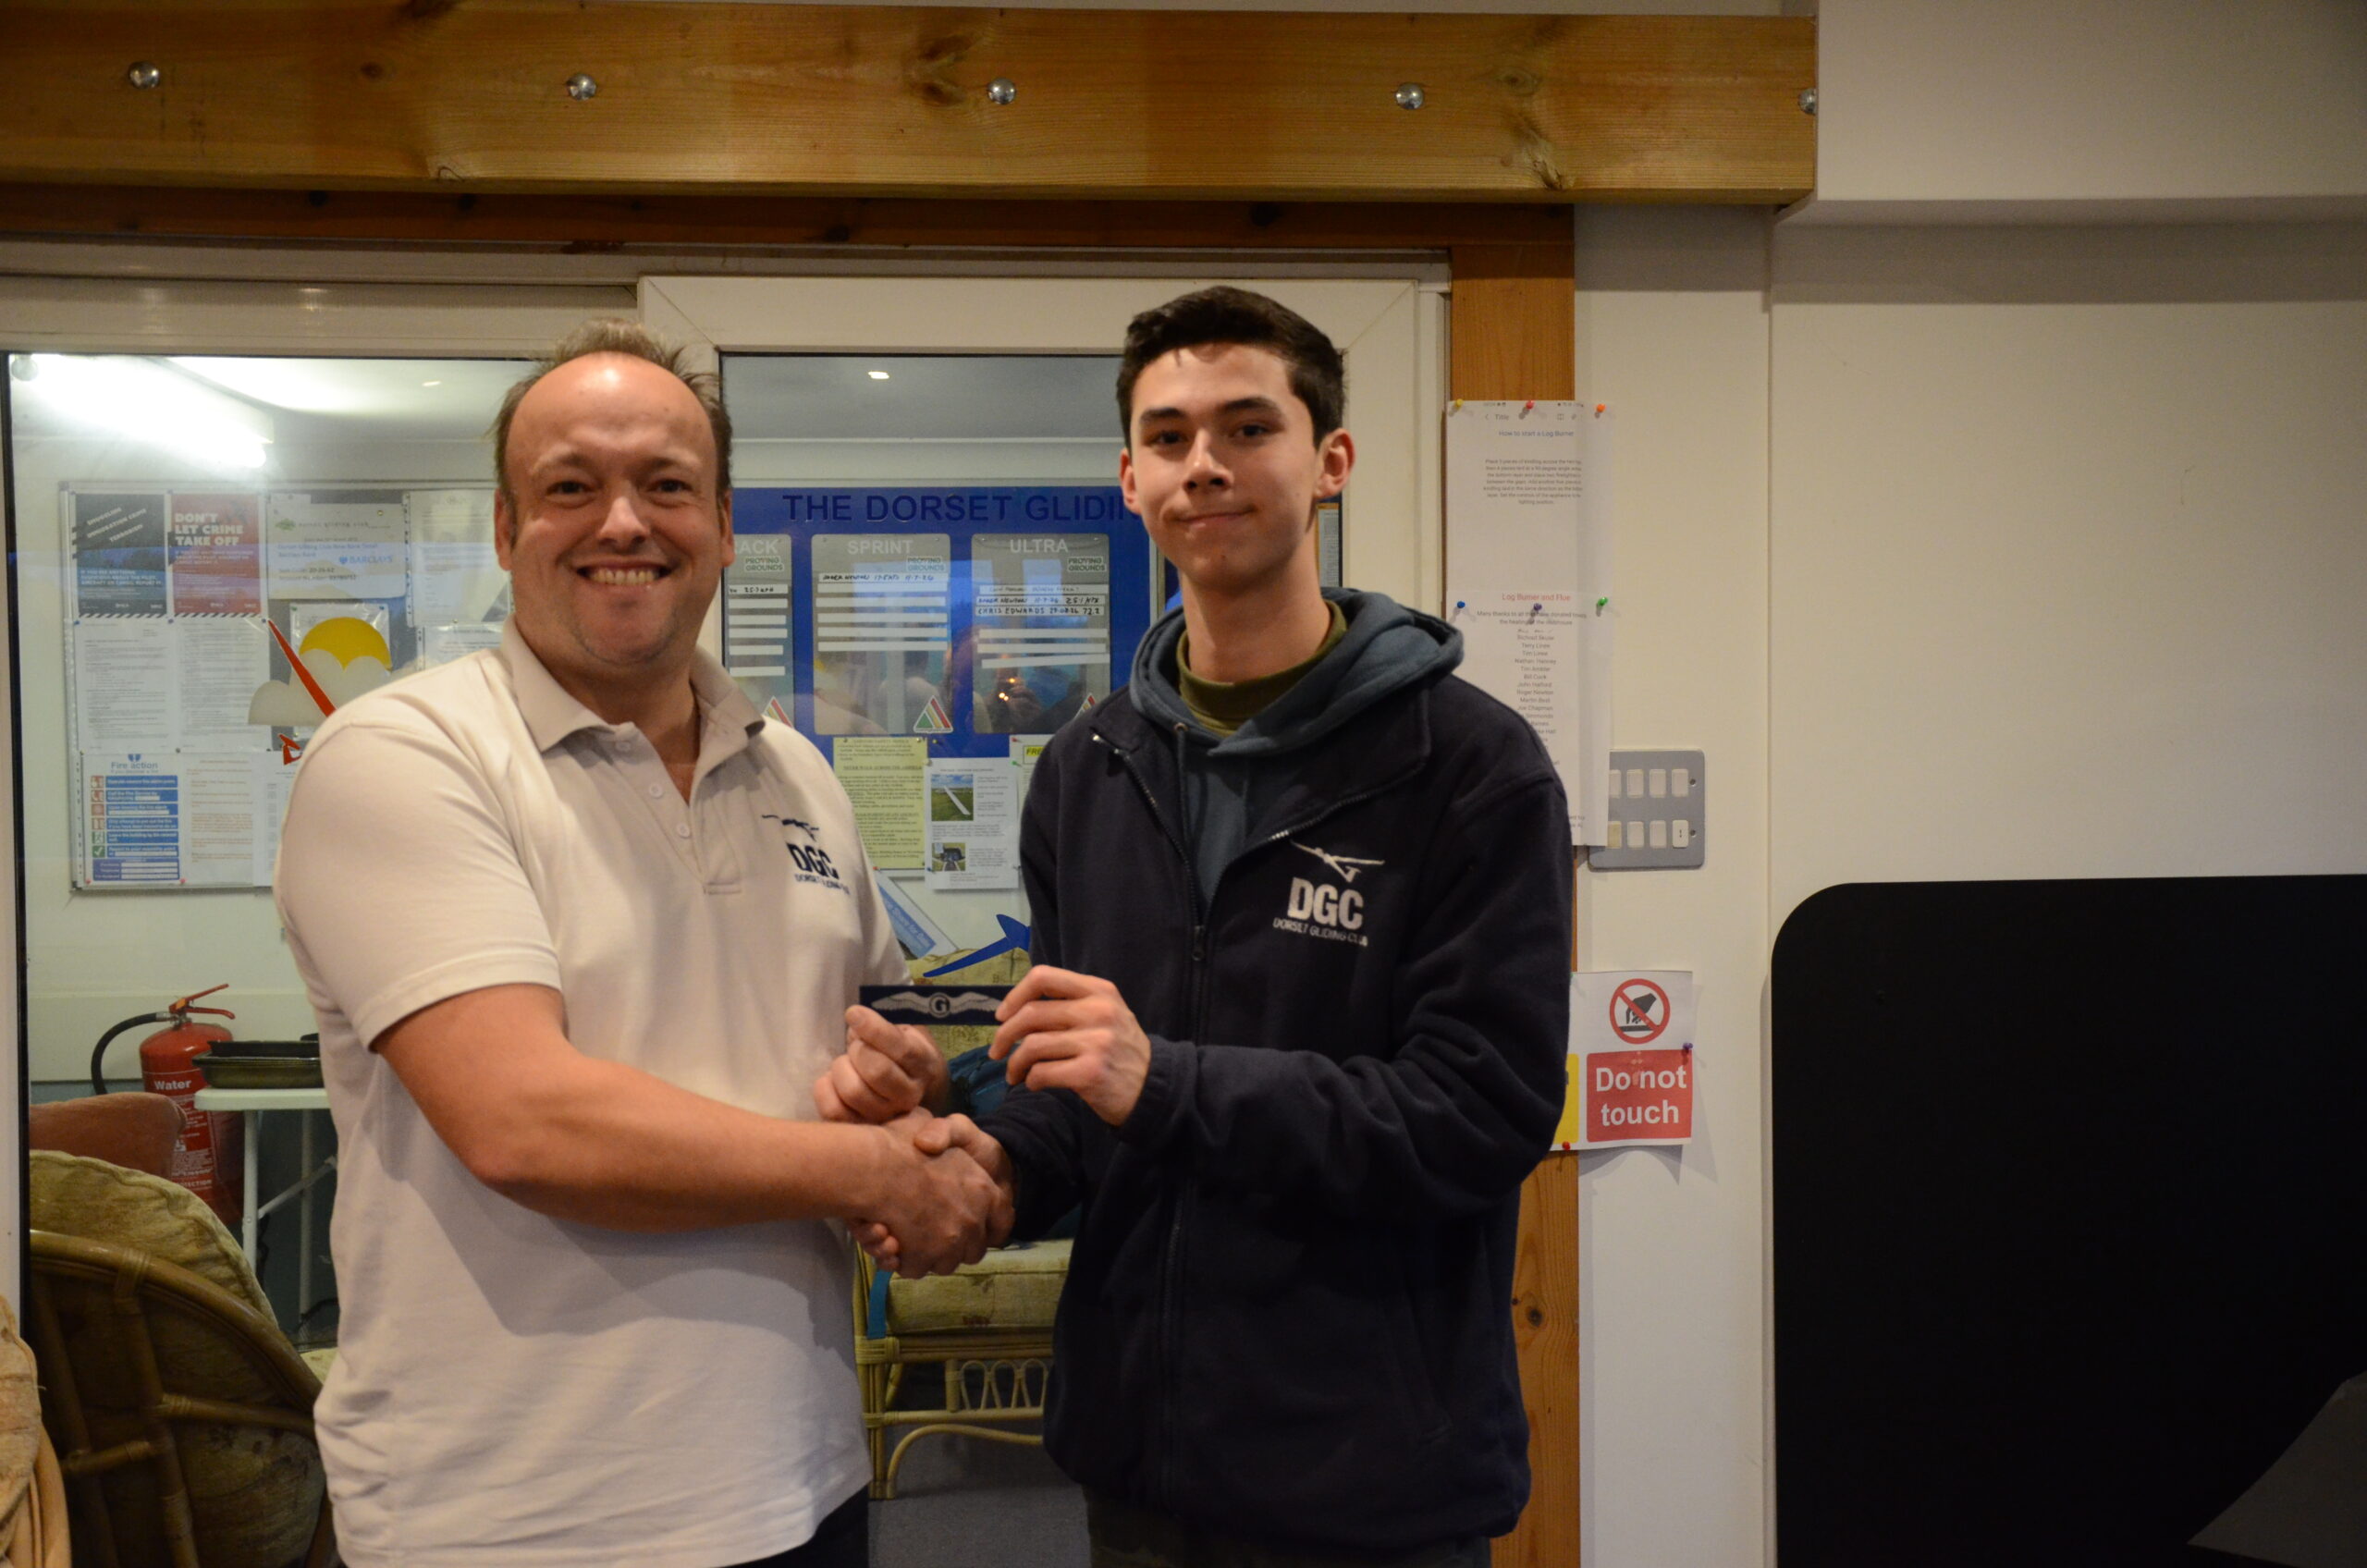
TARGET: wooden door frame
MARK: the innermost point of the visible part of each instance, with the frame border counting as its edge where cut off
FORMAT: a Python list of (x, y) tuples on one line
[(1512, 334)]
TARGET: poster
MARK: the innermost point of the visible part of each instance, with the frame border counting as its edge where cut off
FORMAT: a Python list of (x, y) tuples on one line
[(216, 665), (123, 685), (216, 555), (909, 609), (973, 824), (1633, 1065), (1041, 612), (456, 576), (757, 611), (1528, 507), (193, 820), (338, 544), (884, 777), (881, 634), (131, 805), (118, 553)]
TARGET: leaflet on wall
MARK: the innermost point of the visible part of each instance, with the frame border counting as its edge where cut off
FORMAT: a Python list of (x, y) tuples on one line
[(884, 779), (973, 824), (216, 665), (880, 637), (757, 612), (442, 645), (1528, 506), (1040, 614), (120, 551), (191, 819), (122, 672), (456, 577), (1632, 1059), (216, 555), (337, 544)]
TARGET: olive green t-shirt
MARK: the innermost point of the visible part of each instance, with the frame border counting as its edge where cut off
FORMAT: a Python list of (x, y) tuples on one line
[(1223, 706)]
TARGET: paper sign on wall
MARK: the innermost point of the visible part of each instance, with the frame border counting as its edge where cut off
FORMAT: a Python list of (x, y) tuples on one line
[(973, 824), (1632, 1061), (1528, 583)]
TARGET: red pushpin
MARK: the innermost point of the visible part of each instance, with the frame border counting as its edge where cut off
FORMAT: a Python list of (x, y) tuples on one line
[(1599, 408)]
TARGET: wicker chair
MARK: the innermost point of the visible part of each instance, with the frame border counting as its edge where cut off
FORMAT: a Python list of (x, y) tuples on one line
[(112, 1328), (988, 1327)]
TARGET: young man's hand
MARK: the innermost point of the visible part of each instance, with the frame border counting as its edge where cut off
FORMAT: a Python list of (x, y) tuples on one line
[(952, 1136), (1061, 1030), (886, 1071)]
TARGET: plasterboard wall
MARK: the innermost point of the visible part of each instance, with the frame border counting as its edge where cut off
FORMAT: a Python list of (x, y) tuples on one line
[(2109, 103), (1673, 332), (1961, 552), (2066, 588)]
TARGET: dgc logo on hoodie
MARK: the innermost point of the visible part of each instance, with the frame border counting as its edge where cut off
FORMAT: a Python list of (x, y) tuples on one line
[(1319, 908)]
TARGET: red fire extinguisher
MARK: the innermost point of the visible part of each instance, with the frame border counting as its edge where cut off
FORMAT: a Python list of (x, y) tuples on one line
[(207, 1157)]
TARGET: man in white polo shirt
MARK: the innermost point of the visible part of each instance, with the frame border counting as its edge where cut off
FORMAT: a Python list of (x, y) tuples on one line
[(581, 928)]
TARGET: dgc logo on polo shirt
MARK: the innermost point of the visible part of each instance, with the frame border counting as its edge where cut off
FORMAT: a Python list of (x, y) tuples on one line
[(809, 862)]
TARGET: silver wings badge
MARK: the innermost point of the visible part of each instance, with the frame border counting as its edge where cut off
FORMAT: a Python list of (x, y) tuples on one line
[(1346, 865)]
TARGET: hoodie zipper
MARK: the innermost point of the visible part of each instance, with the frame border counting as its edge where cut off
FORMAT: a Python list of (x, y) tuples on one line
[(1170, 1264)]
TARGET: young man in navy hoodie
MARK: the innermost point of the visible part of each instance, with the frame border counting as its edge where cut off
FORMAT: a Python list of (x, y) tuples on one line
[(1297, 1023)]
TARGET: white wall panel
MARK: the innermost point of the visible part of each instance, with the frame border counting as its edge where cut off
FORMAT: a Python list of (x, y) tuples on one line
[(1673, 332), (2111, 104), (2066, 589)]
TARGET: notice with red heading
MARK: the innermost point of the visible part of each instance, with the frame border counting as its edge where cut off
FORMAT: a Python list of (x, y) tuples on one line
[(1632, 1059)]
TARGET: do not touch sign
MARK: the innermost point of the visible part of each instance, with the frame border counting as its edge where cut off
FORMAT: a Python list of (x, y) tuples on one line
[(1633, 1062)]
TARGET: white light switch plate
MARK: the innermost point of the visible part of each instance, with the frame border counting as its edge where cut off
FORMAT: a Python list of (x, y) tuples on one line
[(1655, 820)]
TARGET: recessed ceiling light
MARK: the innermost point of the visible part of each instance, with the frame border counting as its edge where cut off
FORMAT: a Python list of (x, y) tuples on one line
[(878, 374), (431, 384)]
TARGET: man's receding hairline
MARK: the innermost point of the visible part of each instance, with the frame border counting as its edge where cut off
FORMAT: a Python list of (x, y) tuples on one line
[(707, 427)]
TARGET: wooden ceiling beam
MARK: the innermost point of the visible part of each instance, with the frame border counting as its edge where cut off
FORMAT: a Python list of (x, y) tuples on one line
[(705, 98), (606, 222)]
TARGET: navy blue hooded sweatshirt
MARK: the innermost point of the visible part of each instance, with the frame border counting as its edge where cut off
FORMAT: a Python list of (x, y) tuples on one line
[(1346, 931)]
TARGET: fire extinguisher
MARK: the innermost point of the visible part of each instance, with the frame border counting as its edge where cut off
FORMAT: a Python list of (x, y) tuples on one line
[(207, 1157)]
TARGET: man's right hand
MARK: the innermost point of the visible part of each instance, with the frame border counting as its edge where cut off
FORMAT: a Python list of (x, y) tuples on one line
[(947, 1197), (887, 1070)]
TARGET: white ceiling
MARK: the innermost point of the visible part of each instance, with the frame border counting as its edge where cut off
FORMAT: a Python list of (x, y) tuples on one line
[(925, 396), (803, 398), (391, 399)]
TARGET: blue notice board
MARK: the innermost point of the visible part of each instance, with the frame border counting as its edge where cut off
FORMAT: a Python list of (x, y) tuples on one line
[(963, 613)]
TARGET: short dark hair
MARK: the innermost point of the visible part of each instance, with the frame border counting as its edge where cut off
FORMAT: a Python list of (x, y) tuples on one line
[(614, 334), (1229, 316)]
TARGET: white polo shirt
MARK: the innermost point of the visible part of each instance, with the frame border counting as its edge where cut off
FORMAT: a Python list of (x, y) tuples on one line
[(513, 1389)]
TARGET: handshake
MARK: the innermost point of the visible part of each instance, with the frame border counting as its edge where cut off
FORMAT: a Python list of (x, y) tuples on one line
[(946, 1186), (950, 1191)]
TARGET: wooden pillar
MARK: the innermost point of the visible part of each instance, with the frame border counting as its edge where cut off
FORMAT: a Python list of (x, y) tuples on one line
[(1513, 326)]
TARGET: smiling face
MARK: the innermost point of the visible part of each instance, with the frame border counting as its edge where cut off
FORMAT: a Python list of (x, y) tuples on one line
[(611, 527), (1222, 466)]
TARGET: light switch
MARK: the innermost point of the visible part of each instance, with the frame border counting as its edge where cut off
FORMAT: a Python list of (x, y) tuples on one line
[(1666, 834)]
